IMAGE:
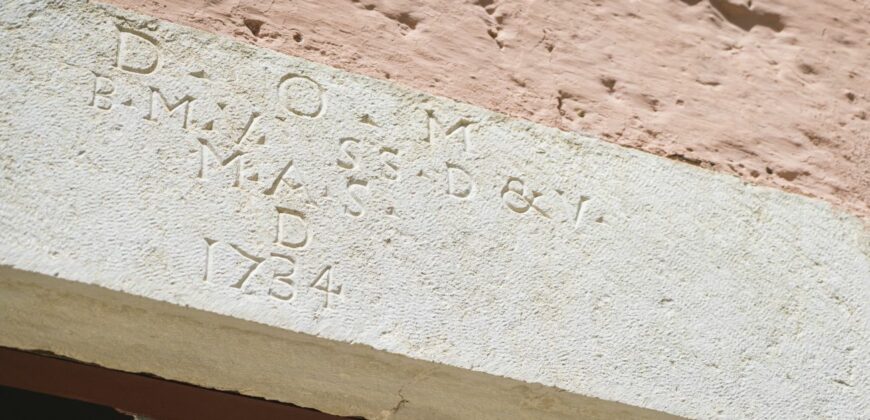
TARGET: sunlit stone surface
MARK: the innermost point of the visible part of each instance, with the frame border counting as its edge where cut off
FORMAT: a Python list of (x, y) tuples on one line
[(166, 163)]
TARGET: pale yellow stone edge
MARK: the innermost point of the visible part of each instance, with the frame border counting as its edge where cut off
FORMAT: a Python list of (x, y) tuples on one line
[(135, 334)]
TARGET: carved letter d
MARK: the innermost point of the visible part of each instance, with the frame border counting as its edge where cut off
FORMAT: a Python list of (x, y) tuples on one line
[(137, 51)]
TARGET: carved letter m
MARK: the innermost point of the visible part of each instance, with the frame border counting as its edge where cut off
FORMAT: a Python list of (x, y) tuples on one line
[(206, 149)]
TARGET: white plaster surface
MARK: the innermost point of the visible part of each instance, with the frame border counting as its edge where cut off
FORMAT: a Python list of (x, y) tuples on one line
[(279, 191)]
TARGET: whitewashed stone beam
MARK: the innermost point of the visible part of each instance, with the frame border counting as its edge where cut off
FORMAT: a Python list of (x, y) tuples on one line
[(165, 163)]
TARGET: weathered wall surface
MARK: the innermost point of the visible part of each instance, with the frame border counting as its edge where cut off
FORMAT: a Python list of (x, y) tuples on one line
[(775, 91), (188, 168)]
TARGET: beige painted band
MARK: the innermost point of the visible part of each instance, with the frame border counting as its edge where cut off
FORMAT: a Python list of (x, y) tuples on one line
[(134, 334)]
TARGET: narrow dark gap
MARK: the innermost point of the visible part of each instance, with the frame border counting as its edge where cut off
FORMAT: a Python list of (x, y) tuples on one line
[(22, 404), (44, 386)]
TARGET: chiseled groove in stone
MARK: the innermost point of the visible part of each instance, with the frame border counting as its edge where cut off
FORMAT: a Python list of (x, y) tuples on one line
[(163, 162)]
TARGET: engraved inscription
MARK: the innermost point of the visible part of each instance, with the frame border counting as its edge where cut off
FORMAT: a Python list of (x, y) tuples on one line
[(519, 198), (160, 105), (435, 130), (208, 258), (208, 153), (323, 282), (352, 150), (103, 90), (575, 211), (231, 265), (255, 263), (459, 182), (356, 190), (390, 157), (369, 184), (348, 157), (292, 228), (235, 259), (283, 276), (137, 51), (283, 178), (237, 266), (301, 95), (250, 128)]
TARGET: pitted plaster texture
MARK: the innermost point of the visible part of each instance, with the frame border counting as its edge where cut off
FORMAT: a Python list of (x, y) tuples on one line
[(167, 163), (774, 91)]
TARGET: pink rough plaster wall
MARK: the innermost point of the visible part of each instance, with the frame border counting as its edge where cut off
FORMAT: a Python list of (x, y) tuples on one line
[(774, 91)]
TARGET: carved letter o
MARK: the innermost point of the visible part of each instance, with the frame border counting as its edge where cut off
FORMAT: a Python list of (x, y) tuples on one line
[(301, 95)]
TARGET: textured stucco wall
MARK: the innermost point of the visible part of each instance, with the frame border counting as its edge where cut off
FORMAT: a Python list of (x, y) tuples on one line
[(774, 91)]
